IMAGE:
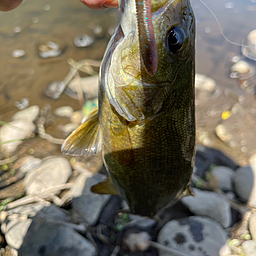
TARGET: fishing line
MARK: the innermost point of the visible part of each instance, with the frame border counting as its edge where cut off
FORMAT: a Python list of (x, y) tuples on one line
[(221, 31)]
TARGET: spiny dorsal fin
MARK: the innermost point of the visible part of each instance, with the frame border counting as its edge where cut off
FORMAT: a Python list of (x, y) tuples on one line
[(86, 139), (105, 187)]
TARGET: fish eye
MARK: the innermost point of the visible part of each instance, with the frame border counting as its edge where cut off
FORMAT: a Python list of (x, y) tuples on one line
[(175, 39)]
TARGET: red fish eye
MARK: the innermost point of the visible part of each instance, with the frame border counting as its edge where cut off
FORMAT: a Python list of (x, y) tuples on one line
[(175, 39)]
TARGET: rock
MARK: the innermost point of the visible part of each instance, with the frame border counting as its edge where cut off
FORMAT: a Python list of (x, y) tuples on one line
[(141, 222), (204, 83), (55, 89), (249, 248), (28, 163), (140, 241), (245, 184), (249, 45), (23, 103), (252, 226), (83, 40), (224, 176), (51, 238), (68, 128), (28, 114), (195, 236), (76, 117), (89, 86), (205, 157), (52, 172), (17, 53), (224, 134), (242, 70), (15, 230), (50, 49), (86, 205), (209, 204), (65, 111), (16, 130)]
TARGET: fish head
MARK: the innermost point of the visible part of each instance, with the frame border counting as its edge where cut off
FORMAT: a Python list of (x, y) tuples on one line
[(124, 74)]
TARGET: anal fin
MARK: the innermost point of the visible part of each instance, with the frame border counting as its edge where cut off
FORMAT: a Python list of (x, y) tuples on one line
[(105, 187)]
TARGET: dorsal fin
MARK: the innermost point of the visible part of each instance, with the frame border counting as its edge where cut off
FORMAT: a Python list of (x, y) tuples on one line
[(86, 139)]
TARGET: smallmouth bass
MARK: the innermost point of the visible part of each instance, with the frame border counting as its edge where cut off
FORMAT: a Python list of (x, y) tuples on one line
[(145, 122)]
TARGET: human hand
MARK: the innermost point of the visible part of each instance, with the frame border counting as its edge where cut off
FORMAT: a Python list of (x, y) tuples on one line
[(99, 4), (8, 5)]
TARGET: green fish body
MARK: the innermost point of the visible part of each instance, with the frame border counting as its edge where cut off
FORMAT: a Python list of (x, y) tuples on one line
[(145, 123)]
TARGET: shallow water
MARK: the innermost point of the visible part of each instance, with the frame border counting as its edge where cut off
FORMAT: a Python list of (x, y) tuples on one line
[(61, 20)]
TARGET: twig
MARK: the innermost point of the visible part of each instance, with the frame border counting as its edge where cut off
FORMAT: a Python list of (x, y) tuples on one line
[(44, 135), (167, 249), (8, 160), (37, 198)]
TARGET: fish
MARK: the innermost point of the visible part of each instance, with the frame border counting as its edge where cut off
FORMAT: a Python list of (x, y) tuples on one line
[(145, 121)]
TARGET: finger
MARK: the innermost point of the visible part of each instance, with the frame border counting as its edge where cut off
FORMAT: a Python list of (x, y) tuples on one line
[(8, 5), (100, 4)]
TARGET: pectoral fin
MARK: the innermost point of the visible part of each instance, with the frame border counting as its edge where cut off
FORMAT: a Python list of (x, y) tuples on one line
[(86, 139), (105, 187)]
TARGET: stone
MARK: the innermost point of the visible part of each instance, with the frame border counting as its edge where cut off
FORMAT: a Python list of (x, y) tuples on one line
[(224, 176), (204, 83), (249, 45), (68, 128), (252, 226), (83, 40), (76, 117), (45, 232), (139, 241), (87, 206), (15, 230), (89, 86), (205, 157), (17, 53), (15, 130), (52, 172), (28, 114), (141, 222), (249, 248), (28, 163), (65, 111), (195, 236), (244, 184), (209, 204)]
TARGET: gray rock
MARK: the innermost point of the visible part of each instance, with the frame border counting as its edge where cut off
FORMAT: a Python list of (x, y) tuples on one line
[(245, 184), (45, 233), (28, 114), (141, 222), (195, 236), (249, 248), (16, 229), (16, 130), (209, 204), (252, 226), (224, 176), (87, 206), (52, 172), (65, 111)]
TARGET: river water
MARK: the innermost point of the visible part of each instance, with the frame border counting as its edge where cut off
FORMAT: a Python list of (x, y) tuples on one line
[(38, 21)]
